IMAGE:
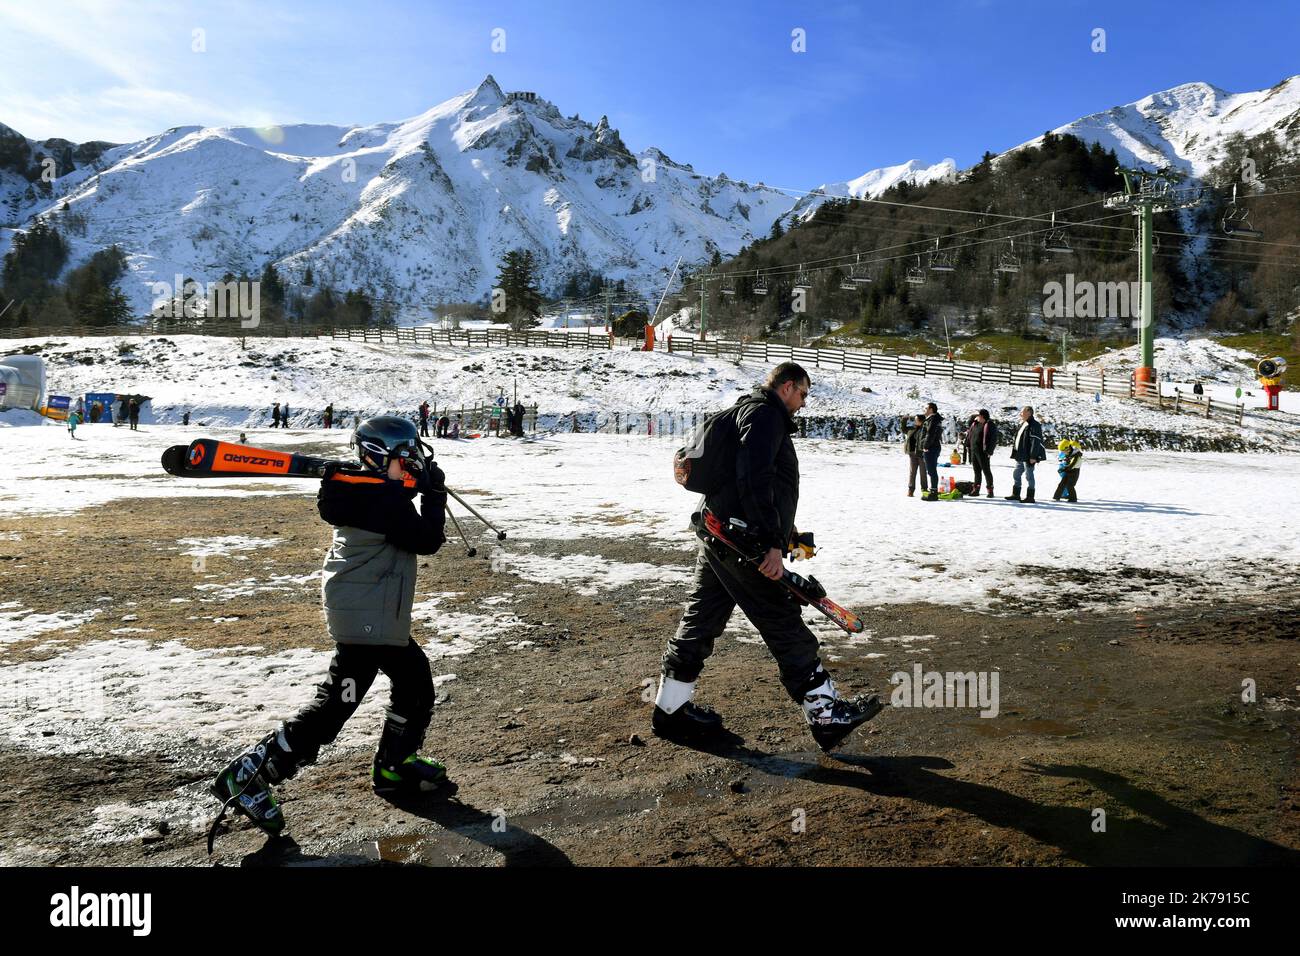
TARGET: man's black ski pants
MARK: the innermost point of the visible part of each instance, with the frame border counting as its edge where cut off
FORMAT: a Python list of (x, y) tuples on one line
[(720, 587)]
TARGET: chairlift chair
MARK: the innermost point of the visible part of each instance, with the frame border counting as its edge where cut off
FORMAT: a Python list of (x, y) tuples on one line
[(941, 261), (859, 274), (1137, 242), (915, 274), (1236, 221), (728, 286), (1008, 262), (1056, 240), (760, 284), (801, 281)]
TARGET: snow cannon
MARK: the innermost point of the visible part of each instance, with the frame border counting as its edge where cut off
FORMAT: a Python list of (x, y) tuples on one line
[(1270, 372)]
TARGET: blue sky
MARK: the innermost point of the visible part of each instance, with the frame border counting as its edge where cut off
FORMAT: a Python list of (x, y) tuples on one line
[(716, 84)]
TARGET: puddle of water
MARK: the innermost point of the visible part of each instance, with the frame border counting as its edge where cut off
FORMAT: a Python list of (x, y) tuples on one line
[(1009, 727)]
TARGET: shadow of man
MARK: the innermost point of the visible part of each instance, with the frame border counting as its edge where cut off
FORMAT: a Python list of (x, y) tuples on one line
[(1159, 833)]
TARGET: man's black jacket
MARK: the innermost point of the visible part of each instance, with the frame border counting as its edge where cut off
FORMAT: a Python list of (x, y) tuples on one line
[(765, 493)]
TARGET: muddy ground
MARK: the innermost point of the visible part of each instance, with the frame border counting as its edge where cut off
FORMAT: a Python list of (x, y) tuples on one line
[(1139, 716)]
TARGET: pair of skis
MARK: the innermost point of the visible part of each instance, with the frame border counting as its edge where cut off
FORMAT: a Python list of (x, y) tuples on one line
[(210, 458), (736, 538)]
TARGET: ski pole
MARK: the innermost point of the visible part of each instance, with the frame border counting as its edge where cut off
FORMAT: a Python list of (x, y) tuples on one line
[(501, 535), (470, 550)]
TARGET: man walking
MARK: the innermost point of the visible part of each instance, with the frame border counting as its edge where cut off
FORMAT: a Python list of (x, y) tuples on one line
[(931, 443), (764, 492), (424, 419), (275, 415), (1027, 450), (981, 440)]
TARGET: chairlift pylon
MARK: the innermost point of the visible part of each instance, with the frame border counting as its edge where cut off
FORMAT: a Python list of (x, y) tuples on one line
[(1236, 220)]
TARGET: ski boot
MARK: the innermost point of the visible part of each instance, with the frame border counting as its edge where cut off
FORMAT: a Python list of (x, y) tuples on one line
[(413, 775), (245, 784), (831, 717), (676, 718), (399, 770)]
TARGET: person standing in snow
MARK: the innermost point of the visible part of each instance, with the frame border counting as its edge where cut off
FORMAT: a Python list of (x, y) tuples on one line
[(124, 404), (74, 419), (284, 416), (368, 589), (981, 441), (517, 425), (764, 492), (1070, 457), (275, 415), (329, 415), (1028, 450), (424, 419), (915, 457), (185, 419), (134, 412), (931, 444), (1198, 389)]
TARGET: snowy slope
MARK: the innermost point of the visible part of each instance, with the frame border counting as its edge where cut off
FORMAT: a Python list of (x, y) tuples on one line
[(222, 386), (874, 183), (418, 211), (1184, 127)]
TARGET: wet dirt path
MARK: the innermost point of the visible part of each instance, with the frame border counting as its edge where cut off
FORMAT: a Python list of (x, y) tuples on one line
[(545, 730)]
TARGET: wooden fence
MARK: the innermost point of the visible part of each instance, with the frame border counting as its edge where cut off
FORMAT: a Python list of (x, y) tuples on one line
[(861, 360), (1125, 386)]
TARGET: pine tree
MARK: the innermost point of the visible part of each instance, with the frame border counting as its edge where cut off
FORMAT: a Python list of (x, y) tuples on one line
[(516, 278)]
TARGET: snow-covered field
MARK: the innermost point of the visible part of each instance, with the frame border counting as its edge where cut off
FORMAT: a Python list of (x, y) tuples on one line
[(223, 386), (1196, 516)]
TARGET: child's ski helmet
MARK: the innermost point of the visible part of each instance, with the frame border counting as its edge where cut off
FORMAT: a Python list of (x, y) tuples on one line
[(378, 440), (1064, 445)]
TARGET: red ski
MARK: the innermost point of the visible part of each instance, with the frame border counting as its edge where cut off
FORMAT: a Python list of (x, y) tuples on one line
[(210, 458), (806, 590)]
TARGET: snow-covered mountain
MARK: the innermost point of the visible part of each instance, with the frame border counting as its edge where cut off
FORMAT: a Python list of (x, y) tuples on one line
[(1185, 127), (23, 162), (419, 211), (874, 183)]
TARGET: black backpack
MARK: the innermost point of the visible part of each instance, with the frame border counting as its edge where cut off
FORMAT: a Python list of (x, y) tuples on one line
[(708, 460)]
